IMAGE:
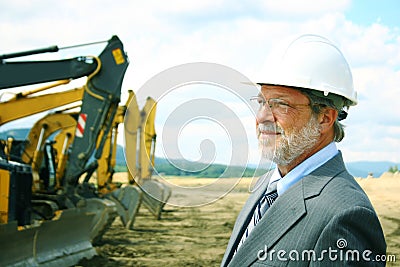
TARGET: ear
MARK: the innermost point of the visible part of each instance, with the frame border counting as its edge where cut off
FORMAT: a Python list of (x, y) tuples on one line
[(327, 118)]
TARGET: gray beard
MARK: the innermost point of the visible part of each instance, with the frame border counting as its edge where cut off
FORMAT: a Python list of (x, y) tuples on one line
[(291, 147)]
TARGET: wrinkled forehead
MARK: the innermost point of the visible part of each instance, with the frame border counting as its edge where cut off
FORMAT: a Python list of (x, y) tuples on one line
[(284, 92)]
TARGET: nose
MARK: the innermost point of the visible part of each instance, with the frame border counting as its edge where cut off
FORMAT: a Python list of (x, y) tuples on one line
[(264, 114)]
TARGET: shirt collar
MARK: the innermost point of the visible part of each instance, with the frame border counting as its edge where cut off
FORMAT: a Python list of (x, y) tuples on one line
[(304, 168)]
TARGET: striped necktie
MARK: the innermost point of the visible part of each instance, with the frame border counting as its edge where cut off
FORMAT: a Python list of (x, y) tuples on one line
[(263, 204)]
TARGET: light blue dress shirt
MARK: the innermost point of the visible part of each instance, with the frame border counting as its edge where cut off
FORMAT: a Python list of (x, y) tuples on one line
[(304, 168)]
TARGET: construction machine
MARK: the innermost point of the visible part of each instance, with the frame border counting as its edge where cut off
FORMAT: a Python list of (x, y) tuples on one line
[(141, 186), (141, 164), (128, 198), (55, 132), (42, 222)]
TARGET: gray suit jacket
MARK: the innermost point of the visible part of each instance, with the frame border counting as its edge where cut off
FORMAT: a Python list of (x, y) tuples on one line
[(325, 219)]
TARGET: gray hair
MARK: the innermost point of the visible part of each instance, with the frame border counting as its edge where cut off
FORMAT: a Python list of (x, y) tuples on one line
[(318, 103)]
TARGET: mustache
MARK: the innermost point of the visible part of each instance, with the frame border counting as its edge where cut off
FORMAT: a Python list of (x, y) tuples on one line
[(269, 128)]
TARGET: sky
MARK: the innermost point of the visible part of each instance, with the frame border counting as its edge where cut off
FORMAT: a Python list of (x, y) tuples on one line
[(241, 35)]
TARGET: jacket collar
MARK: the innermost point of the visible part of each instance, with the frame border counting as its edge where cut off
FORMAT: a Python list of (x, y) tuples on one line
[(280, 217)]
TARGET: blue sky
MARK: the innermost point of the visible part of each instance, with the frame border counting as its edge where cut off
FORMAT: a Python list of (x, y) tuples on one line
[(240, 34), (366, 12)]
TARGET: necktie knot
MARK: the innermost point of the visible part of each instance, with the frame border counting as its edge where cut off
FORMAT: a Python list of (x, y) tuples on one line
[(270, 195), (272, 187), (266, 202)]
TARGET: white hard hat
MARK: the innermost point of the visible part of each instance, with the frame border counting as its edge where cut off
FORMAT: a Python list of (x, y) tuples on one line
[(314, 62)]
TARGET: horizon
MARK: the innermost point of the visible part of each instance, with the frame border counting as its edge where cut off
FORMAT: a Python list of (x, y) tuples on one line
[(243, 36), (121, 146)]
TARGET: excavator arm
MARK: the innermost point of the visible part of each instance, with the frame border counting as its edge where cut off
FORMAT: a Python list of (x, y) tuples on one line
[(141, 127), (147, 139), (59, 227), (26, 105), (107, 161), (34, 150), (105, 82), (20, 73), (44, 71), (99, 107)]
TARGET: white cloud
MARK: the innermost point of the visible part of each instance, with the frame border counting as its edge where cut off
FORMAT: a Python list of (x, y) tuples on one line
[(161, 35), (371, 143), (305, 8), (376, 45)]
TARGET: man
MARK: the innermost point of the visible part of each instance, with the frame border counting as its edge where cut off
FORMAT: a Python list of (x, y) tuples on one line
[(308, 211)]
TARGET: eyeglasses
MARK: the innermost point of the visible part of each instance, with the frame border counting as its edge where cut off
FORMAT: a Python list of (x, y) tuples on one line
[(277, 106)]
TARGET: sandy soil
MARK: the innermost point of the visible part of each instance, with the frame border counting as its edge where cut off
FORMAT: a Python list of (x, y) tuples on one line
[(197, 236), (385, 197)]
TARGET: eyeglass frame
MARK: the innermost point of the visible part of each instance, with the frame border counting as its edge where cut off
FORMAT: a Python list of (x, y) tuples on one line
[(277, 101)]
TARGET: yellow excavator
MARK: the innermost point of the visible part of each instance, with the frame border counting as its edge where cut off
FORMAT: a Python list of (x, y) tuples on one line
[(141, 186), (81, 210), (141, 165), (52, 136), (44, 223), (127, 198)]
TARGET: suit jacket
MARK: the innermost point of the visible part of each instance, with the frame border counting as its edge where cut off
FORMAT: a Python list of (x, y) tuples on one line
[(325, 219)]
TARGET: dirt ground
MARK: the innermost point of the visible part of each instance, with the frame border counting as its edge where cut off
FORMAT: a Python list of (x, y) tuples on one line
[(384, 195), (197, 236)]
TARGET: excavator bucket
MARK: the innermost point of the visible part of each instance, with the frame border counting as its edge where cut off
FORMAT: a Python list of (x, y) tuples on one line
[(105, 212), (156, 195), (62, 242), (127, 200)]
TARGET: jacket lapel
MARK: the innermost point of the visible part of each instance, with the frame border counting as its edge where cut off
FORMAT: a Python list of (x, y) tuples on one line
[(316, 181), (278, 219), (245, 216), (281, 216)]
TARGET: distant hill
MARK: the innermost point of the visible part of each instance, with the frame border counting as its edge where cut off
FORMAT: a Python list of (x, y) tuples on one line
[(363, 168), (180, 167), (357, 168)]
